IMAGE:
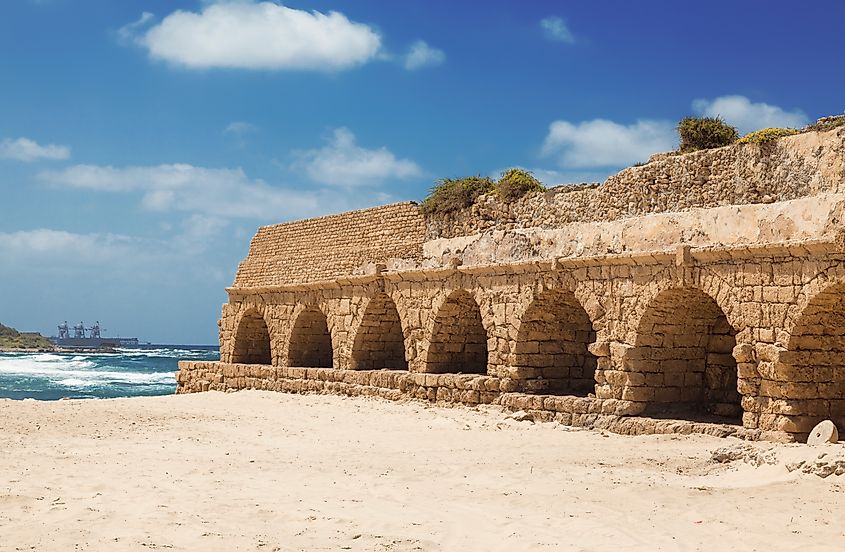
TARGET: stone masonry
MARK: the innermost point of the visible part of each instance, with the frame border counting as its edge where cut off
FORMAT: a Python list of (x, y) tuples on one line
[(703, 292)]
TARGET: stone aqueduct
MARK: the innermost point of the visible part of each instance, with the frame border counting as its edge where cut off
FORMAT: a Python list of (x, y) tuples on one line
[(729, 308)]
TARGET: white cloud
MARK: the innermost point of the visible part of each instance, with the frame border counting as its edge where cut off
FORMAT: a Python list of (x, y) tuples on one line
[(746, 116), (129, 33), (186, 251), (342, 162), (183, 187), (603, 143), (199, 232), (213, 193), (59, 244), (555, 28), (258, 35), (24, 149), (422, 55), (239, 128), (600, 143)]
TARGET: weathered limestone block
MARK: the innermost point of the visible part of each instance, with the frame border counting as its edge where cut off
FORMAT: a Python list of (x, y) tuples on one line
[(709, 283)]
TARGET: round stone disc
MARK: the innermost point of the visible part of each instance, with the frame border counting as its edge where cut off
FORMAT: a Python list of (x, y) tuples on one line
[(824, 432)]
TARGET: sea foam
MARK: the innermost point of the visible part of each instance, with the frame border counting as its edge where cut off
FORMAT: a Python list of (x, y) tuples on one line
[(121, 373)]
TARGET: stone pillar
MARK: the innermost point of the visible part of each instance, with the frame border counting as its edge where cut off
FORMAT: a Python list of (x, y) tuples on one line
[(227, 330), (748, 384), (604, 367)]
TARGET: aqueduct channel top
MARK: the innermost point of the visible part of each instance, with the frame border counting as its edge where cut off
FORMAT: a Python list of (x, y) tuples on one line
[(704, 286)]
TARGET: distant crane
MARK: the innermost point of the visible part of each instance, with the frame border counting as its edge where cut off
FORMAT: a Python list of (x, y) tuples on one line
[(95, 330), (92, 337), (79, 330)]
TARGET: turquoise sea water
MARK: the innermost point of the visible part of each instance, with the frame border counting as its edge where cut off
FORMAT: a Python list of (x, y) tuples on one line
[(122, 373)]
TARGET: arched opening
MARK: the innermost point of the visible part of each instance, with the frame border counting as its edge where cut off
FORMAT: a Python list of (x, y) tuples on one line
[(552, 344), (310, 341), (684, 352), (813, 369), (458, 342), (252, 340), (379, 343)]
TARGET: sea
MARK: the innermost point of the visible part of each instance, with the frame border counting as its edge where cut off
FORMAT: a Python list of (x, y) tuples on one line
[(101, 375)]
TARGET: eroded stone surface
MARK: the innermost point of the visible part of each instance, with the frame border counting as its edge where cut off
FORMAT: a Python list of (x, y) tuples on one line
[(709, 287)]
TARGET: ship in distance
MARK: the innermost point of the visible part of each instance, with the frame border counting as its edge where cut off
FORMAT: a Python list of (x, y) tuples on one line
[(89, 338)]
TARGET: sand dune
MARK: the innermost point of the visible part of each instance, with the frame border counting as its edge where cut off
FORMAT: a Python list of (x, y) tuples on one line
[(264, 471)]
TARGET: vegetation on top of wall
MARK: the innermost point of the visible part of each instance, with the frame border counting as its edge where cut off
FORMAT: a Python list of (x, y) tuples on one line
[(515, 183), (698, 133), (454, 194), (766, 135)]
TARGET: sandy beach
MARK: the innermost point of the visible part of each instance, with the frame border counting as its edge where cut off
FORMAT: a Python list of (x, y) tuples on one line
[(265, 471)]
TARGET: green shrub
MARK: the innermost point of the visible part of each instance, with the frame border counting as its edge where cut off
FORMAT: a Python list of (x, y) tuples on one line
[(454, 194), (766, 135), (698, 133), (515, 183)]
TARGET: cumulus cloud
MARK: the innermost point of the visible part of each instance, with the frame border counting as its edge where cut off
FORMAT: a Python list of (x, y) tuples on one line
[(257, 35), (603, 143), (211, 192), (422, 55), (342, 162), (24, 149), (186, 251), (555, 28), (199, 232), (84, 248), (183, 187), (748, 116)]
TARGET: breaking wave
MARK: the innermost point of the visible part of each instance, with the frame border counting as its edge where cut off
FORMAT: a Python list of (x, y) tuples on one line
[(122, 373), (164, 352)]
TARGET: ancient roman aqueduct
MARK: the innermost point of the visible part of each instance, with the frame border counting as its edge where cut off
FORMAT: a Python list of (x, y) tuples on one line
[(702, 288)]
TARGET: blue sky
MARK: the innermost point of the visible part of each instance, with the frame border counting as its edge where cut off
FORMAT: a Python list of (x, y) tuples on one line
[(143, 142)]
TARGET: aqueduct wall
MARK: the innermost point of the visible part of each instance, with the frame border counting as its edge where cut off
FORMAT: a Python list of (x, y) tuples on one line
[(708, 288)]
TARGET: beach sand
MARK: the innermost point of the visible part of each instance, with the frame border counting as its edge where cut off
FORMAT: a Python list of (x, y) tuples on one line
[(266, 471)]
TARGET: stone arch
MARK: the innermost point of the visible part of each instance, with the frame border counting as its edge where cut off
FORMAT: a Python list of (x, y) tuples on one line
[(552, 341), (682, 359), (823, 280), (379, 342), (811, 372), (703, 279), (724, 292), (458, 340), (252, 339), (310, 343)]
